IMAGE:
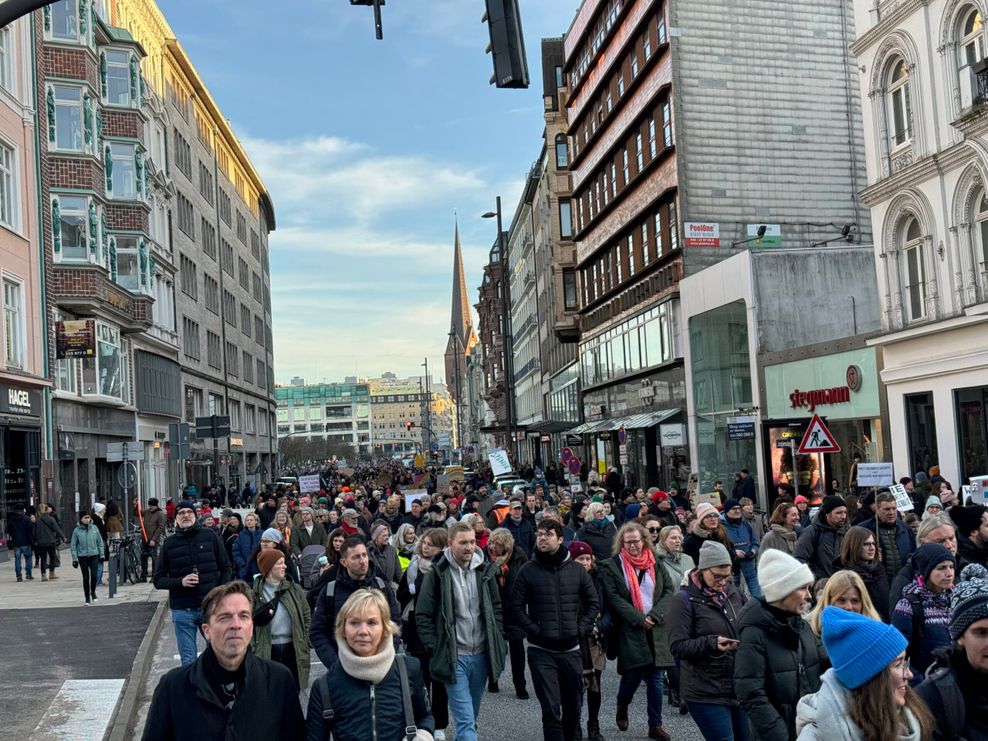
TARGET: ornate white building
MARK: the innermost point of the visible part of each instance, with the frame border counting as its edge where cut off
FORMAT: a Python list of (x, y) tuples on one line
[(925, 112)]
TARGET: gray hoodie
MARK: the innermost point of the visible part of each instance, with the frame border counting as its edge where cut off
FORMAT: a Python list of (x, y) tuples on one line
[(470, 636), (823, 715)]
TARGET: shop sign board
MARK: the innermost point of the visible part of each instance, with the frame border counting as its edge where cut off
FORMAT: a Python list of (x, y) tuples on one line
[(672, 436), (875, 474), (903, 502), (14, 400), (842, 386), (573, 440), (701, 234), (772, 236), (740, 428), (75, 338)]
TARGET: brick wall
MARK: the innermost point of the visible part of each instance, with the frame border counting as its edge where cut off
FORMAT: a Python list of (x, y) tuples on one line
[(81, 172), (123, 123), (129, 216)]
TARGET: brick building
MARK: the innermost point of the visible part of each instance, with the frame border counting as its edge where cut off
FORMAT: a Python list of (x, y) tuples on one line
[(490, 309)]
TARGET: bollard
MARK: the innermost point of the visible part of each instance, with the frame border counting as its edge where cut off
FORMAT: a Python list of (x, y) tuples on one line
[(112, 589)]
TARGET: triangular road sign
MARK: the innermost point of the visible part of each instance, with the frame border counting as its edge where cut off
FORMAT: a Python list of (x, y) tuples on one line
[(818, 438)]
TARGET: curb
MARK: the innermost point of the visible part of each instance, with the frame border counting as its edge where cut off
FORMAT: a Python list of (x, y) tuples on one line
[(126, 710)]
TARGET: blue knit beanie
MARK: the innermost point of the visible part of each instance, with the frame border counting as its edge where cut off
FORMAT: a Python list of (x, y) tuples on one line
[(859, 647), (631, 511)]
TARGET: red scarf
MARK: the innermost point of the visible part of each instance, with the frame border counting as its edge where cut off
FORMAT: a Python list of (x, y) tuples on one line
[(632, 565)]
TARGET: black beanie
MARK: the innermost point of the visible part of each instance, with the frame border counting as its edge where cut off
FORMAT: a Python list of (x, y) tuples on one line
[(930, 555), (967, 519), (830, 504)]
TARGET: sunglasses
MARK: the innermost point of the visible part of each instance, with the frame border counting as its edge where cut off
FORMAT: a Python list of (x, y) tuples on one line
[(654, 529)]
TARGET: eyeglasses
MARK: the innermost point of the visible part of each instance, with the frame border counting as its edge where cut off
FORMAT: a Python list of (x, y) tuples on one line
[(868, 543)]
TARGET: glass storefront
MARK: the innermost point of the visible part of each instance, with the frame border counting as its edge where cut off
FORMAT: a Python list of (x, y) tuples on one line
[(971, 408), (921, 430)]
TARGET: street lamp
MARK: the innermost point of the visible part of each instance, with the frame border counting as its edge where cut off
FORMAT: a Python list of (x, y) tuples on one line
[(459, 395), (505, 331)]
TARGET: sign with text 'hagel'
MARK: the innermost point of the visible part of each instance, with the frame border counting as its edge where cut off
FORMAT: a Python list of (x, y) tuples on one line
[(500, 464)]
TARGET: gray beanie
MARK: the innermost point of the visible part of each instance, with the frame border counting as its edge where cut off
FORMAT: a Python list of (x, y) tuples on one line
[(713, 554)]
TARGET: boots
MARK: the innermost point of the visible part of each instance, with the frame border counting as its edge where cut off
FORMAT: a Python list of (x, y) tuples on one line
[(658, 732), (51, 575), (44, 576), (621, 719), (593, 731)]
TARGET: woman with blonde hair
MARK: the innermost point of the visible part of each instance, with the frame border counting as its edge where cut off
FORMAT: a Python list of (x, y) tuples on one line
[(844, 589), (283, 523), (404, 540), (370, 692)]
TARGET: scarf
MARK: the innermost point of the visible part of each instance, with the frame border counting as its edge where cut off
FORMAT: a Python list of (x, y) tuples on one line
[(368, 668), (417, 564), (632, 564), (718, 598)]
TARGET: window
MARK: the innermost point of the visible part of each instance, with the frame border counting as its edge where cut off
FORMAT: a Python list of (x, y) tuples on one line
[(241, 228), (68, 102), (193, 403), (645, 243), (245, 319), (117, 77), (123, 170), (65, 375), (208, 238), (258, 330), (186, 216), (8, 65), (562, 156), (639, 154), (565, 219), (260, 373), (673, 227), (183, 154), (212, 290), (9, 201), (257, 287), (205, 183), (190, 280), (569, 290), (232, 359), (234, 415), (651, 138), (915, 271), (106, 374), (224, 207), (248, 363), (973, 40), (982, 219), (214, 404), (129, 263), (163, 311), (13, 324), (213, 350), (900, 106), (666, 124), (72, 228), (226, 256), (660, 29), (631, 254), (243, 273), (190, 339), (229, 308), (65, 20)]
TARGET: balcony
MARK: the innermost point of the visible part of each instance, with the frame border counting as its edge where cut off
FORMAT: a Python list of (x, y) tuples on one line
[(974, 96), (87, 290)]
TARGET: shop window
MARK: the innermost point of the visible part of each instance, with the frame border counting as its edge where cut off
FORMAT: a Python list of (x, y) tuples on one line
[(106, 374), (921, 431), (971, 406)]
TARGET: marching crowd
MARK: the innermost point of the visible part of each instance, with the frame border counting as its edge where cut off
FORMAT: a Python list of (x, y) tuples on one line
[(839, 620)]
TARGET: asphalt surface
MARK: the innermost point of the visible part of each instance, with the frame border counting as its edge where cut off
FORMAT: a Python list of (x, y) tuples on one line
[(42, 648), (502, 715)]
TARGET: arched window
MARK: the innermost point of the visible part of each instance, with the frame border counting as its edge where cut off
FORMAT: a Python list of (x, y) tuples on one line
[(900, 107), (915, 270), (981, 217), (562, 156), (972, 38)]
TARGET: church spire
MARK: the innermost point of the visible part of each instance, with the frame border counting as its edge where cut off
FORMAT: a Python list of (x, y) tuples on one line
[(461, 322)]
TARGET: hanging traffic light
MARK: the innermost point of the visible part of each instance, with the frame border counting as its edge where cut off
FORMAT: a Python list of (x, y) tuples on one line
[(507, 45), (409, 425)]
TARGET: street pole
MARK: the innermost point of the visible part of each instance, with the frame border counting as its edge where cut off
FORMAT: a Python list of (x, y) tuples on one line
[(509, 401), (459, 395), (428, 404)]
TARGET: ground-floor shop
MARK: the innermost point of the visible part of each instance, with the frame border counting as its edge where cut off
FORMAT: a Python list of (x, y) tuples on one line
[(20, 452)]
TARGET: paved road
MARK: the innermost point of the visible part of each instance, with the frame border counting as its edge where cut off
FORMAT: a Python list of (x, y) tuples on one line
[(43, 648), (502, 715)]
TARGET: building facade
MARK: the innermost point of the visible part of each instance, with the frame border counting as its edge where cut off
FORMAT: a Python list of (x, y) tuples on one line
[(925, 126), (331, 413), (492, 343), (394, 403)]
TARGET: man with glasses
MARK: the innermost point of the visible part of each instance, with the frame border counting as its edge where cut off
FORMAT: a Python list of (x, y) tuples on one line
[(554, 600), (192, 562)]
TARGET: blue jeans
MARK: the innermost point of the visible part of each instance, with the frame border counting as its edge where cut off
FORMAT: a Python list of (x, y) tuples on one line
[(719, 722), (750, 576), (99, 573), (27, 553), (465, 694), (654, 678), (186, 624)]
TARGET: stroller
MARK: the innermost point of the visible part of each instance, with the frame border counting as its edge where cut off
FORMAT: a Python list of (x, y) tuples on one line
[(308, 567)]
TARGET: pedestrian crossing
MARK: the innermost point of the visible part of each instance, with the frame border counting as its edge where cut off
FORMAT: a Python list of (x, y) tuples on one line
[(81, 711)]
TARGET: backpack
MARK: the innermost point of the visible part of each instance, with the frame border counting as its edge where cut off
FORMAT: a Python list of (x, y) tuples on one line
[(328, 714), (941, 679)]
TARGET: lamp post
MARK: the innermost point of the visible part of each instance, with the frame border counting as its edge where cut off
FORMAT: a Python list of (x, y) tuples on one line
[(458, 397), (508, 373)]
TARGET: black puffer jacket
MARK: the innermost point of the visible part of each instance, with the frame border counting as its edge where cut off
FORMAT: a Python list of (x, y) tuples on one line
[(197, 547), (779, 661), (554, 601), (819, 548), (599, 535), (695, 622), (506, 576)]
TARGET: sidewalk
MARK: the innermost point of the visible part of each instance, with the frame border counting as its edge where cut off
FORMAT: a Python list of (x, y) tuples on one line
[(66, 590)]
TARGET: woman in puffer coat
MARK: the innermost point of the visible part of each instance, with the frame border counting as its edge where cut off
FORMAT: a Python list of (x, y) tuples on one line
[(247, 540), (928, 598), (364, 688), (703, 636)]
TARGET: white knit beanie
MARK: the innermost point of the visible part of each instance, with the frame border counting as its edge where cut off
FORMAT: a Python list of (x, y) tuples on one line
[(703, 509), (779, 575)]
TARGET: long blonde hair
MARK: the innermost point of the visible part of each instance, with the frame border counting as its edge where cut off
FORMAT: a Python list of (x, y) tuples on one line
[(835, 586)]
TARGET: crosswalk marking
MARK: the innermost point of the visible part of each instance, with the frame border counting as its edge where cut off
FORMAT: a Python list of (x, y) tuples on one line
[(81, 711)]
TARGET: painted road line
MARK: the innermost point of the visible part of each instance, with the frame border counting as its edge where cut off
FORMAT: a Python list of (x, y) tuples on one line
[(81, 711)]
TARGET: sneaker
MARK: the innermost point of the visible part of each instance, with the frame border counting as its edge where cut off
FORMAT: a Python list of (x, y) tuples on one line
[(29, 578), (95, 598), (439, 735), (88, 603)]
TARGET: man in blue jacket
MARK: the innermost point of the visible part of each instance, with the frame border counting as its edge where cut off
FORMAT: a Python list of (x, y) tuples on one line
[(21, 531), (745, 542), (894, 536)]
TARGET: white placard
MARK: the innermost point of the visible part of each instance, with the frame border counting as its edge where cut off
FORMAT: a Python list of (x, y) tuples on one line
[(500, 464), (903, 502), (875, 474), (308, 484), (411, 495), (978, 490)]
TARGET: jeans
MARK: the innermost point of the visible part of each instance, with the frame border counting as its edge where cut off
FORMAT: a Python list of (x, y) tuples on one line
[(719, 722), (25, 552), (516, 648), (750, 576), (557, 678), (99, 573), (186, 624), (653, 677), (465, 694), (88, 566)]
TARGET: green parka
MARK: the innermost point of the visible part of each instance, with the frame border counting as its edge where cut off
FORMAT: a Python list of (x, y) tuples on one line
[(86, 541), (293, 599), (638, 647), (435, 619)]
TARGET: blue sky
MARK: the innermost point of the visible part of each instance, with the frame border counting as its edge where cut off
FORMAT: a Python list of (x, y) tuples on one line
[(367, 147)]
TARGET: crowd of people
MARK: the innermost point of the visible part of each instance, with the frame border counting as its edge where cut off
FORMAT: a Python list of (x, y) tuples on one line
[(805, 626)]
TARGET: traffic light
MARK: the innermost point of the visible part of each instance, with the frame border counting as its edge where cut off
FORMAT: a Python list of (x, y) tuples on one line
[(409, 425), (507, 44), (378, 28)]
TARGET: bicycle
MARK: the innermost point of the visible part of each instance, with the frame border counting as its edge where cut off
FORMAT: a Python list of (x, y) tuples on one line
[(129, 553)]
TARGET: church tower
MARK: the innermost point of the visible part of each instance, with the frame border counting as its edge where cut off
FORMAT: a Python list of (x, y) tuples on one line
[(462, 337)]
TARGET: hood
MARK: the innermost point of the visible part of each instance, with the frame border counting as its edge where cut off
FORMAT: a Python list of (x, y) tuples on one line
[(784, 532), (475, 562), (826, 711)]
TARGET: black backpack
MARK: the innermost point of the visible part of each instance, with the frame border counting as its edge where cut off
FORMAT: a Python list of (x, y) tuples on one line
[(940, 678)]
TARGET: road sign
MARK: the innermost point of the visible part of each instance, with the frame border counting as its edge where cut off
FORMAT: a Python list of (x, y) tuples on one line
[(127, 475), (178, 440), (818, 438), (129, 451), (622, 436), (574, 466), (213, 426)]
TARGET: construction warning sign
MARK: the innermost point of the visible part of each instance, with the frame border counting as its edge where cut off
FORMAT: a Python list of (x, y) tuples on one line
[(818, 438)]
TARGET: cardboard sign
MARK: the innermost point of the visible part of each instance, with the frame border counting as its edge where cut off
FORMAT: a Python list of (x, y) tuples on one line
[(875, 474), (411, 495), (500, 464), (711, 497), (442, 484), (308, 484), (903, 502)]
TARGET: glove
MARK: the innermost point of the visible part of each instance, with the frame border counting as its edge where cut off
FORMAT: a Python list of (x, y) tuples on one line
[(75, 564)]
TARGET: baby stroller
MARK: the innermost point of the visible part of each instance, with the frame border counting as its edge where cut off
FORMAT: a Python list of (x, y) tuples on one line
[(308, 567)]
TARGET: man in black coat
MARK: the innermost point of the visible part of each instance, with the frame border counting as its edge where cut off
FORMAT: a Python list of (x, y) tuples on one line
[(227, 693), (521, 529), (192, 562), (554, 600), (21, 531)]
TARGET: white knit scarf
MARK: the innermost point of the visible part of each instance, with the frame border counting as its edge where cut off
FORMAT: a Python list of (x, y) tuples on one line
[(368, 668)]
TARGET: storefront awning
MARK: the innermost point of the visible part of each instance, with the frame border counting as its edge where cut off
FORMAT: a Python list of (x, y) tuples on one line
[(631, 422), (551, 426)]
